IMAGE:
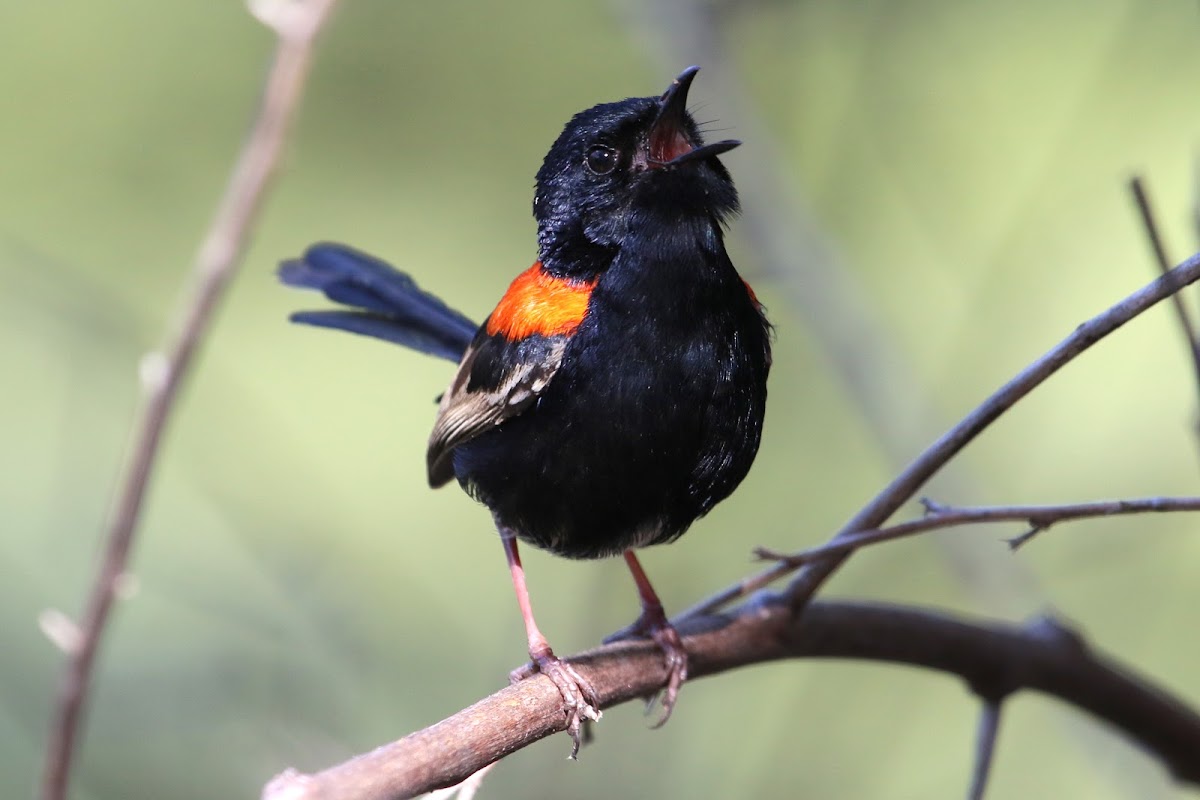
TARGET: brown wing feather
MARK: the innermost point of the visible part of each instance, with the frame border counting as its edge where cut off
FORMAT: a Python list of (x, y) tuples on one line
[(463, 415)]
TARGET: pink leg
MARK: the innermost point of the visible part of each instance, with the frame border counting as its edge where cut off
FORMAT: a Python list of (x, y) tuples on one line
[(579, 698), (653, 623)]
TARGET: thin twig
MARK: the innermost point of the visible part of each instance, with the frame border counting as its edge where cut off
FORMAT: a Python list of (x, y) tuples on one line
[(927, 464), (995, 659), (985, 748), (1196, 199), (1015, 543), (163, 371), (1038, 518), (1154, 236)]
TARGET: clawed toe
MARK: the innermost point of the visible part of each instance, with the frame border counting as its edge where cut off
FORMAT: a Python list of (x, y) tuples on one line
[(675, 659), (579, 698)]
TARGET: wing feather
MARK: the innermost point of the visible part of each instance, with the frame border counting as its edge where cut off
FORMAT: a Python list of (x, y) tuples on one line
[(496, 380)]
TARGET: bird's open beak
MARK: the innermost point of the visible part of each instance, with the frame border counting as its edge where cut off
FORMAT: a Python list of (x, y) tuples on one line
[(669, 145)]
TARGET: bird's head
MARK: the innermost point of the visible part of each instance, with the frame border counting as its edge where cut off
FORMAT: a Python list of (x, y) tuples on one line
[(621, 169)]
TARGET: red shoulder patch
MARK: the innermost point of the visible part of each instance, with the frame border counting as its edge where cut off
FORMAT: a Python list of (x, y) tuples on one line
[(539, 303)]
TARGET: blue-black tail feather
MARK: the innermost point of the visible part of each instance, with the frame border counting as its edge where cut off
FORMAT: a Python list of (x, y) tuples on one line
[(389, 304)]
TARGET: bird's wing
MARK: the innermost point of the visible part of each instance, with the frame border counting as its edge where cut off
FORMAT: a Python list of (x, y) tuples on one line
[(512, 360)]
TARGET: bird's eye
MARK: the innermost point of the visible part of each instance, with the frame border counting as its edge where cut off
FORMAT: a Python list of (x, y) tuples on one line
[(601, 160)]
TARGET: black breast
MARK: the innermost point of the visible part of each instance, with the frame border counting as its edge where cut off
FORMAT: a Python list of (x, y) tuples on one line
[(654, 417)]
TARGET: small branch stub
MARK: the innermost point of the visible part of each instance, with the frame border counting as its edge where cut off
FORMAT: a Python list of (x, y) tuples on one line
[(985, 748)]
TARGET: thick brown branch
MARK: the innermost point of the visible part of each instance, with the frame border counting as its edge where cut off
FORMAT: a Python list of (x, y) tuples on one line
[(162, 372), (994, 659), (1036, 517), (926, 465)]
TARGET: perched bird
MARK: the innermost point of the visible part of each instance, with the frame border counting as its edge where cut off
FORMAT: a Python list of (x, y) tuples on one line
[(616, 392)]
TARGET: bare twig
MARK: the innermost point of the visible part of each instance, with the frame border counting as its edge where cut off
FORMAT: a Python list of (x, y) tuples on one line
[(1038, 518), (994, 659), (1015, 543), (1154, 235), (913, 477), (985, 748), (1196, 199), (926, 465), (162, 372)]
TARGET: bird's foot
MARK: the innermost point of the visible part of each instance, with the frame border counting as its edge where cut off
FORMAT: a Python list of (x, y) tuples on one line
[(653, 624), (579, 698)]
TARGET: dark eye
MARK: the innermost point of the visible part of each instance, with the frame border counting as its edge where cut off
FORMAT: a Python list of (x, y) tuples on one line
[(601, 160)]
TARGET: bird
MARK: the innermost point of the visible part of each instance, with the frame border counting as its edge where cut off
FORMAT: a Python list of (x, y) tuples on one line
[(617, 391)]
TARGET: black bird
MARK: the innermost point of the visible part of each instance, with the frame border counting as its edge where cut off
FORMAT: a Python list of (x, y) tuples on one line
[(617, 391)]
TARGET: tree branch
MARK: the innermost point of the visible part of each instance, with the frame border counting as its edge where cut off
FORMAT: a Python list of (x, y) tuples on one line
[(1154, 236), (162, 372), (1038, 518), (996, 660), (927, 464)]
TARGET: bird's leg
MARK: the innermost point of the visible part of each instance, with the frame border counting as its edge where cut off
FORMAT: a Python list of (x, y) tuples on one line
[(579, 698), (653, 623)]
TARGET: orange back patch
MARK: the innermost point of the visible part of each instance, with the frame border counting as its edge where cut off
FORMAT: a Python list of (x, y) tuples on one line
[(539, 303)]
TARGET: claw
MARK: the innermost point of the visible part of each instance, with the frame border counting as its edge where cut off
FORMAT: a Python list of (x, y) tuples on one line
[(675, 659), (579, 698), (653, 623)]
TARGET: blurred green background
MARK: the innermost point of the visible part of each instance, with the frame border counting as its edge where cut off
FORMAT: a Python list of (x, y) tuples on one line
[(935, 194)]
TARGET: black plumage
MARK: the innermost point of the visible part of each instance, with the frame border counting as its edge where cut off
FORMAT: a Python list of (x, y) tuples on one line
[(617, 392)]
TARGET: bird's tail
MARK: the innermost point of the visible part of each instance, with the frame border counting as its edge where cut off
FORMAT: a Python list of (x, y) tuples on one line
[(388, 303)]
